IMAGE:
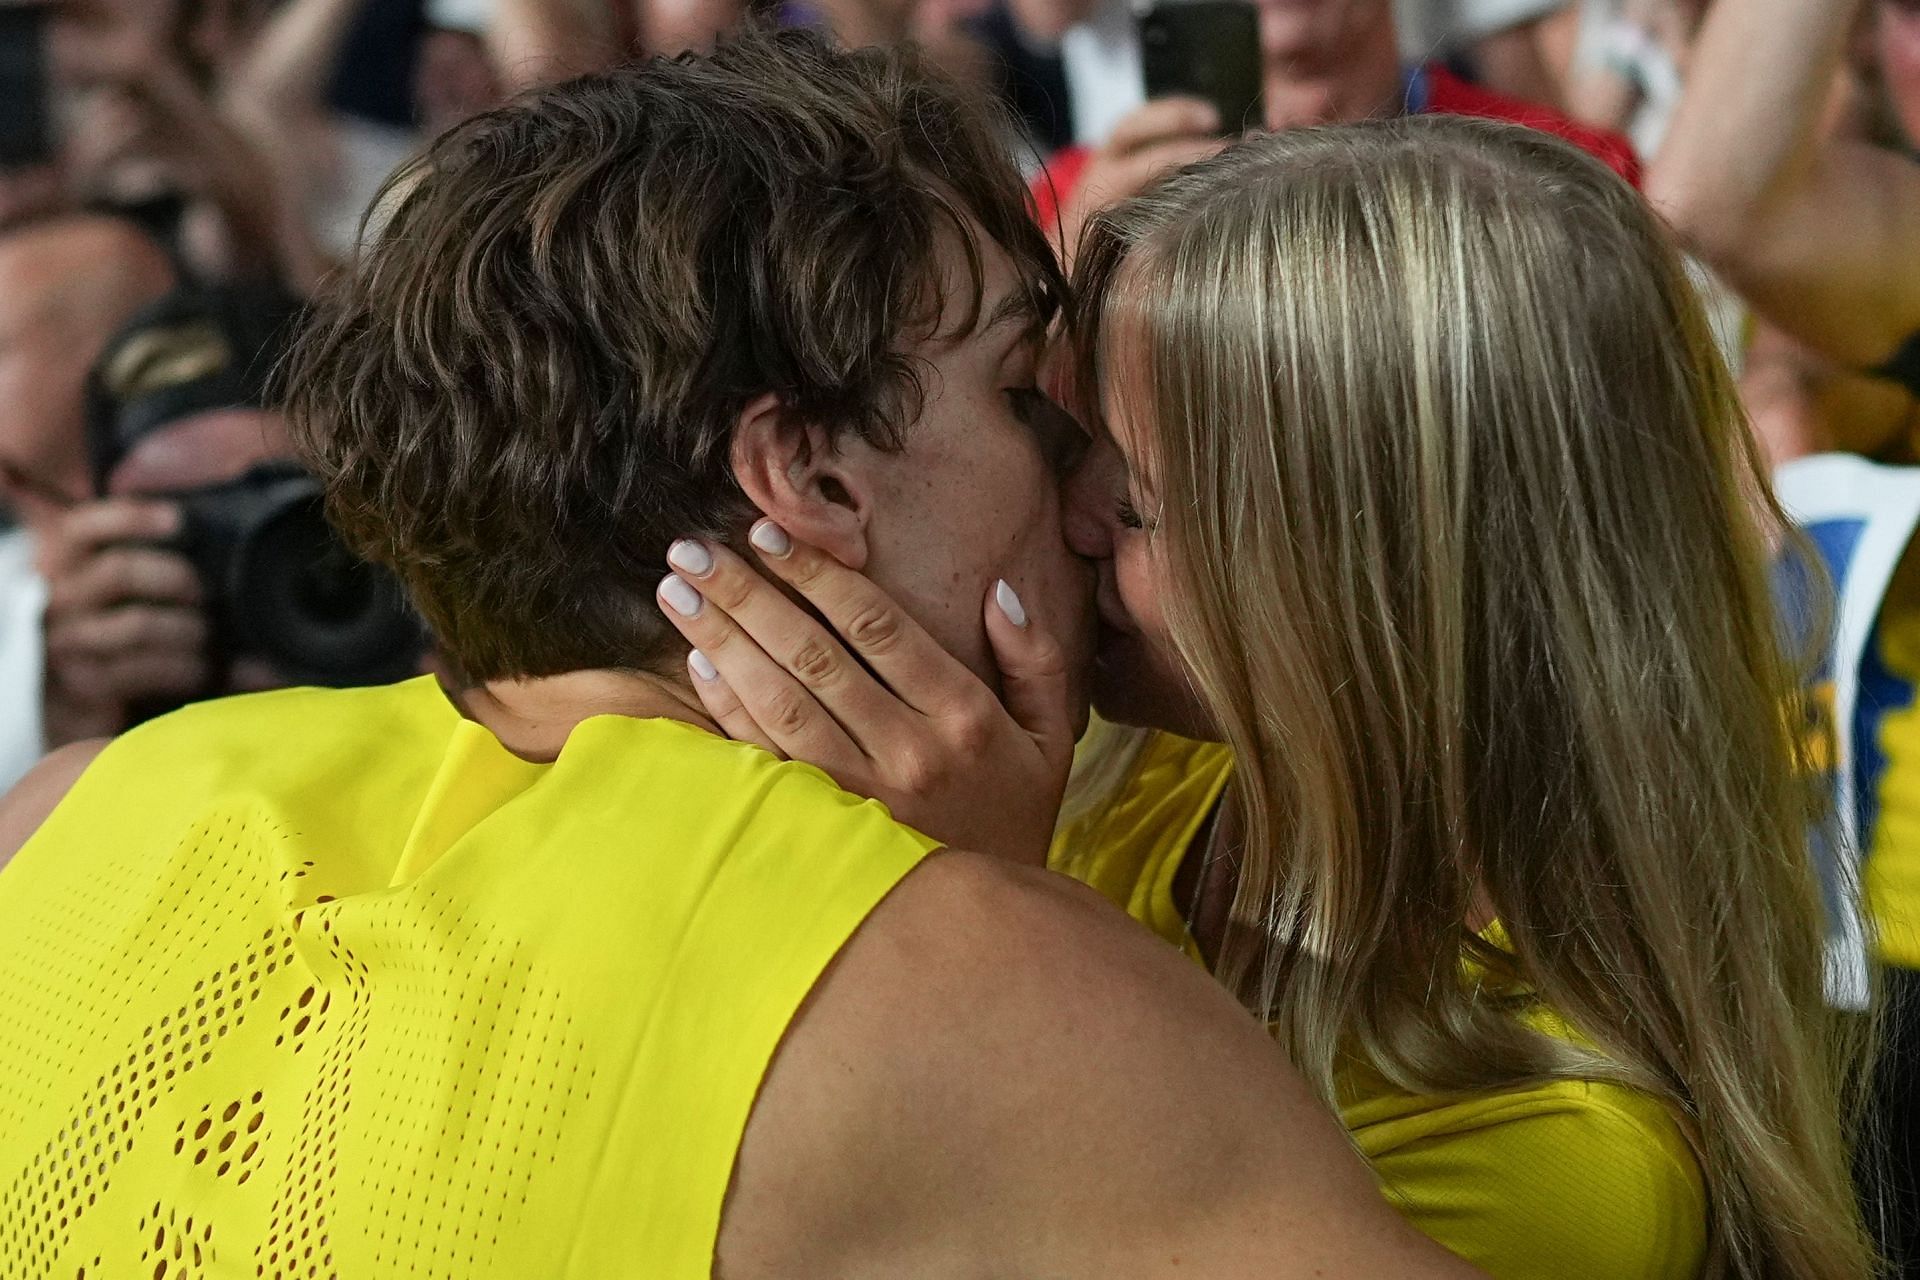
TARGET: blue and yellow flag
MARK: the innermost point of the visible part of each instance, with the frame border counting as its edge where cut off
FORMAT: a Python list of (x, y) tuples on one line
[(1860, 517)]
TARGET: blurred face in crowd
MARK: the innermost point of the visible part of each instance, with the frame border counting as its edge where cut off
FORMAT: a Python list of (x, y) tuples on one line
[(199, 452), (64, 289), (1327, 61), (1318, 28), (974, 493)]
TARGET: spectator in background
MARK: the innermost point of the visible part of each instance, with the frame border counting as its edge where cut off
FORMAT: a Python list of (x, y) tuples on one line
[(1820, 230), (1629, 74), (338, 93), (145, 140), (1630, 63), (1814, 228), (103, 622), (1325, 61), (177, 405), (65, 286), (1896, 48), (1771, 175), (1517, 47)]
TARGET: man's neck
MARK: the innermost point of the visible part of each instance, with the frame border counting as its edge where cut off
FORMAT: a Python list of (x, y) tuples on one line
[(534, 718), (1359, 79)]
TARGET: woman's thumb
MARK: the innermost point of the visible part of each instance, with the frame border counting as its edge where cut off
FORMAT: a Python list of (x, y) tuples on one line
[(1033, 674)]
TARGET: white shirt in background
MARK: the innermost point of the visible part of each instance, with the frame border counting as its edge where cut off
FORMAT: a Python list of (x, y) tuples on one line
[(23, 604), (1102, 54), (1607, 39), (368, 153), (1101, 57), (1437, 29), (473, 16)]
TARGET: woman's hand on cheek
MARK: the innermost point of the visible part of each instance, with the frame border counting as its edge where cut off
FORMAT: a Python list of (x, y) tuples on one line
[(912, 727)]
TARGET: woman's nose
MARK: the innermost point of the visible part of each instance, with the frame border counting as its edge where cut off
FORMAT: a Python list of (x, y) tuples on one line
[(1086, 504)]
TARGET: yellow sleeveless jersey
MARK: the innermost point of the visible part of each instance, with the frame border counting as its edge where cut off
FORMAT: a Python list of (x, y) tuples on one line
[(1565, 1181), (330, 984)]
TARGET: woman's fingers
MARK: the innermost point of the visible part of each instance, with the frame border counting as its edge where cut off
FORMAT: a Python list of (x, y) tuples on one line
[(724, 705), (85, 531), (789, 719), (810, 653), (918, 671), (1033, 675), (937, 747)]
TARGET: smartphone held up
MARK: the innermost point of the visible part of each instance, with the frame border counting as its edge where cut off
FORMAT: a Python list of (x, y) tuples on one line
[(1205, 49), (26, 116)]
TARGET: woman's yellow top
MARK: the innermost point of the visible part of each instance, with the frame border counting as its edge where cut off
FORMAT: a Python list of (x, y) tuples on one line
[(1566, 1181), (328, 983)]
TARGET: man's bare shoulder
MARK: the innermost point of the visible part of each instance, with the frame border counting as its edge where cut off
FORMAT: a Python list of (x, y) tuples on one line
[(1002, 1074), (35, 796)]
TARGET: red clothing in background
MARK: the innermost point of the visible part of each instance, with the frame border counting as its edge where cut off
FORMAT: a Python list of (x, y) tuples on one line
[(1446, 93)]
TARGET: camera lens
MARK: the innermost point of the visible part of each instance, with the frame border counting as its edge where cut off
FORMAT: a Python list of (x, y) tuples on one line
[(334, 589), (314, 610)]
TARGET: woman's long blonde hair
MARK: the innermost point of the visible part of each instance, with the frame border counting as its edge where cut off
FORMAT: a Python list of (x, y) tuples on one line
[(1468, 547)]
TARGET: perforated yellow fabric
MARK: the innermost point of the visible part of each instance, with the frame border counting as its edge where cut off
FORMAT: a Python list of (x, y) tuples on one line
[(329, 984)]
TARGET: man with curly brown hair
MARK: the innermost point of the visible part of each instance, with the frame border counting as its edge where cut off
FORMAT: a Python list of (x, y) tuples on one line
[(541, 975)]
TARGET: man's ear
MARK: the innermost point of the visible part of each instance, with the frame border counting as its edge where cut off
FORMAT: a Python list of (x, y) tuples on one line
[(791, 471)]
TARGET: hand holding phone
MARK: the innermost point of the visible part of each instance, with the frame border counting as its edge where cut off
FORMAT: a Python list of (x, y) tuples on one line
[(1205, 49), (1149, 141)]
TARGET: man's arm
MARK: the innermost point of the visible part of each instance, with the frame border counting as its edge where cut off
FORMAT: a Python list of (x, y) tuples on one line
[(284, 72), (1821, 235), (24, 808), (276, 97), (1002, 1075)]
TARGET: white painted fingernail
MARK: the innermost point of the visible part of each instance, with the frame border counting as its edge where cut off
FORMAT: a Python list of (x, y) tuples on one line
[(691, 558), (679, 593), (703, 666), (772, 539), (1009, 602)]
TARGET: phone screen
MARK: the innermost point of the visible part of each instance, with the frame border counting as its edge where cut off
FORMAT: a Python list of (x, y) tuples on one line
[(26, 123), (1206, 49)]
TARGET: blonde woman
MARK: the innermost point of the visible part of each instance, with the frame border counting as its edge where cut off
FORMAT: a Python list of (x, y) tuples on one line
[(1422, 487)]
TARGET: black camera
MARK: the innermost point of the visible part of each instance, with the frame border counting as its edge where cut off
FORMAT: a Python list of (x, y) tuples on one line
[(280, 585)]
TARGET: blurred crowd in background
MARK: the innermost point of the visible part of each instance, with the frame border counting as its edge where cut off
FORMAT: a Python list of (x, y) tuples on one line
[(211, 161)]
